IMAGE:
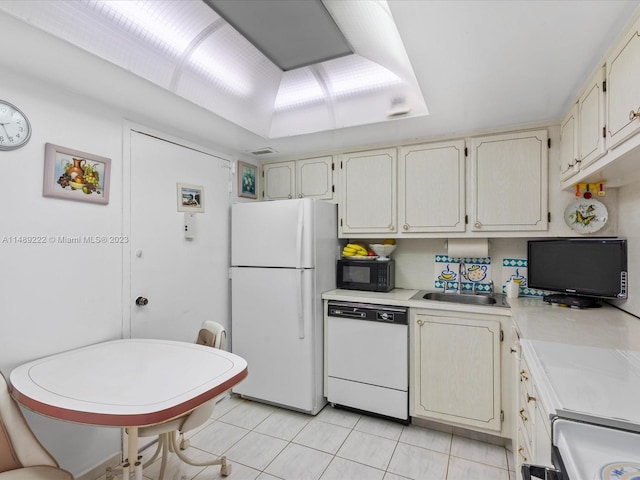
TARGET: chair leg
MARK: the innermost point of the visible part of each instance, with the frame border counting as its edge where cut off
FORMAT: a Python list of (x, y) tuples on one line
[(225, 467), (161, 443)]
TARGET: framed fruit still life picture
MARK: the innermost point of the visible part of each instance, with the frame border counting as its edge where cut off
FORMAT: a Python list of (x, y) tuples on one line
[(75, 175)]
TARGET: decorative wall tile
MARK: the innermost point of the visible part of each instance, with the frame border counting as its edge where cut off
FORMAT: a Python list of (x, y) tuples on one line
[(478, 272), (516, 269)]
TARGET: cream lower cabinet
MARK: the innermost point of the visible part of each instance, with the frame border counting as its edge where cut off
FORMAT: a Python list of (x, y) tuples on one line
[(533, 437), (308, 178), (368, 202), (456, 373), (509, 182)]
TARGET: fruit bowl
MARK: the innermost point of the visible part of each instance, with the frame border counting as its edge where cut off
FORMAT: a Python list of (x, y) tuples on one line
[(383, 251)]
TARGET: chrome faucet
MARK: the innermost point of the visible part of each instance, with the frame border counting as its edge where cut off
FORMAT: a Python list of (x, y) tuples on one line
[(461, 267)]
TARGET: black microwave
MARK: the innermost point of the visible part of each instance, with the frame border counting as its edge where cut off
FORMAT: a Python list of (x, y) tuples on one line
[(370, 275)]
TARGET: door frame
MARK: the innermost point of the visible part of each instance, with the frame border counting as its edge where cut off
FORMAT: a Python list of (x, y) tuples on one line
[(127, 128)]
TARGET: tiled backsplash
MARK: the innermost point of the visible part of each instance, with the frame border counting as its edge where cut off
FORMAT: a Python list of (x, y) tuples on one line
[(478, 272)]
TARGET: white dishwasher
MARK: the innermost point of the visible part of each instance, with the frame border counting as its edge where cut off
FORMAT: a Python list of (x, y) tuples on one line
[(367, 358)]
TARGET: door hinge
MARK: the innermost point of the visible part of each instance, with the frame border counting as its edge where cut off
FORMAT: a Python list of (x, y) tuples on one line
[(502, 335), (262, 173), (548, 143), (230, 274), (333, 166), (340, 164), (604, 86), (340, 222), (466, 152), (548, 217), (502, 415), (333, 189), (604, 132), (466, 219)]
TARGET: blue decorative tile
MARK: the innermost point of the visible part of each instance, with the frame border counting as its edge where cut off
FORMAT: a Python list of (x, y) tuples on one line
[(516, 269)]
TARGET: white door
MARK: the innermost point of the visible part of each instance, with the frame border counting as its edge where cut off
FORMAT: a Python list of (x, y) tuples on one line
[(272, 328), (184, 280)]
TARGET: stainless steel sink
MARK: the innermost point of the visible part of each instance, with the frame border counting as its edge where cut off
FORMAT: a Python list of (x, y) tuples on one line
[(460, 298), (463, 298)]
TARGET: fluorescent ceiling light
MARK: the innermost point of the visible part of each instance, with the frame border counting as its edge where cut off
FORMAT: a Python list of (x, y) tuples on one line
[(189, 49)]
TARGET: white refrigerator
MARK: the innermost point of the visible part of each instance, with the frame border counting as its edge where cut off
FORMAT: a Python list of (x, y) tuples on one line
[(283, 256)]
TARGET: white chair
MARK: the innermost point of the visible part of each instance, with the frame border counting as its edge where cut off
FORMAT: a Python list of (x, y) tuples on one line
[(22, 457), (214, 335)]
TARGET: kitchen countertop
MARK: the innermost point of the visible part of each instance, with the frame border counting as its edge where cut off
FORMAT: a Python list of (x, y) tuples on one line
[(402, 297), (586, 362)]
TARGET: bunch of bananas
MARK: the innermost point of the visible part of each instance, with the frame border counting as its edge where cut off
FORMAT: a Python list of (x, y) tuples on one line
[(352, 249)]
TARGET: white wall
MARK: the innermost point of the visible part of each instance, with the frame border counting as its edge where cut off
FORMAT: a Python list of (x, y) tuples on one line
[(629, 220), (55, 297)]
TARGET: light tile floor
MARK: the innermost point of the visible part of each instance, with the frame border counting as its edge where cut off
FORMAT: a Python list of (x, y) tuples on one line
[(266, 443)]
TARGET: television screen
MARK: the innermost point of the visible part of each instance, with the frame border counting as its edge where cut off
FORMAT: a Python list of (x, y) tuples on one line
[(595, 267)]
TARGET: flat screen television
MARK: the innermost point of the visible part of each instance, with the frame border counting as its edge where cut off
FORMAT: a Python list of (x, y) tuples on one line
[(581, 270)]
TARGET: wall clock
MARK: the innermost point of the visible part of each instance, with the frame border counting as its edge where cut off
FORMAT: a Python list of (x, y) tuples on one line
[(15, 129)]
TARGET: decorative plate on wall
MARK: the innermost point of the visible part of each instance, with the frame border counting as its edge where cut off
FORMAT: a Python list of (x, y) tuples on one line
[(586, 215)]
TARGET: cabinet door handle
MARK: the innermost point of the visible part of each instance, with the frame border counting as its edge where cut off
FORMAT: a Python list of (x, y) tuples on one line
[(420, 322), (289, 196), (405, 226), (523, 375), (477, 224), (531, 398), (522, 415), (633, 115), (520, 450)]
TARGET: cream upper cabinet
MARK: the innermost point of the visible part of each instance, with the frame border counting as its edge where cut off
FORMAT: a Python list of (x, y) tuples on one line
[(623, 88), (509, 182), (312, 177), (431, 193), (591, 120), (456, 370), (279, 180), (368, 192), (569, 163)]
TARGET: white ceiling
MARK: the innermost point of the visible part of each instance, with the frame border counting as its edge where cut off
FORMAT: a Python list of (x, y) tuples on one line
[(481, 65)]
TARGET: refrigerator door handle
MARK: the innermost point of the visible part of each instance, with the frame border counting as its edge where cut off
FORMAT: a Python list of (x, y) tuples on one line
[(300, 306), (299, 233)]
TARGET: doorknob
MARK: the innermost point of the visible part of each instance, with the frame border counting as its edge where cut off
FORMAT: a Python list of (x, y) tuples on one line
[(141, 301)]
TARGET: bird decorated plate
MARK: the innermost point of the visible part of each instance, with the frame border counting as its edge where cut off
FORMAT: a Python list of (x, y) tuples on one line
[(586, 215)]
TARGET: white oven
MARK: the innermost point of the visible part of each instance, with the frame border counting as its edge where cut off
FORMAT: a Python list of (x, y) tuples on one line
[(587, 451)]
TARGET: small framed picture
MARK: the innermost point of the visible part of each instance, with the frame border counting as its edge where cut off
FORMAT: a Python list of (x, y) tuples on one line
[(76, 175), (247, 180), (190, 198)]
